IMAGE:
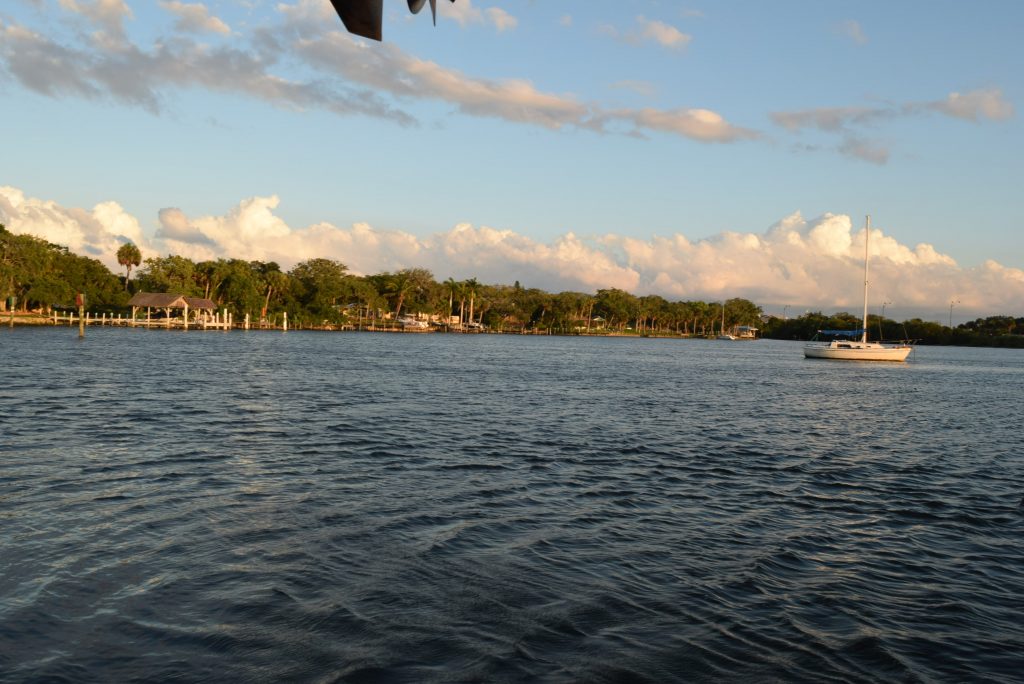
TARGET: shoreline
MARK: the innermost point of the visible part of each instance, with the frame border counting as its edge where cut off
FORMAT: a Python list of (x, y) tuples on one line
[(38, 320)]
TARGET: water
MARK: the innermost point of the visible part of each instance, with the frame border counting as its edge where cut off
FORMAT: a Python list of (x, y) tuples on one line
[(416, 508)]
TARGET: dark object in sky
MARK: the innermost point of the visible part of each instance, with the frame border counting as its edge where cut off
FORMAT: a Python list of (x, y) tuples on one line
[(365, 17)]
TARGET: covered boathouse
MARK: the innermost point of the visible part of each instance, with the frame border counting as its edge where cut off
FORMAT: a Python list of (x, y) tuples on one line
[(195, 310)]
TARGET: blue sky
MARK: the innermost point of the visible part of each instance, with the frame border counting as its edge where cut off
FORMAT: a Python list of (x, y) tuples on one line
[(696, 150)]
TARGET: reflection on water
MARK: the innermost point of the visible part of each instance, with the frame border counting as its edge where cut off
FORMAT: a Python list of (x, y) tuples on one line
[(463, 508)]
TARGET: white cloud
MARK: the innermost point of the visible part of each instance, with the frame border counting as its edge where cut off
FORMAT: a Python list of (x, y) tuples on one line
[(463, 12), (850, 122), (194, 17), (140, 78), (977, 104), (96, 233), (698, 124), (645, 88), (829, 119), (502, 20), (807, 263), (662, 33), (350, 77), (854, 32), (108, 15), (649, 30), (868, 150), (388, 69)]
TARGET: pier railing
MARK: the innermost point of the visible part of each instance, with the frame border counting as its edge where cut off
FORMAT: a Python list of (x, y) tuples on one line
[(212, 321)]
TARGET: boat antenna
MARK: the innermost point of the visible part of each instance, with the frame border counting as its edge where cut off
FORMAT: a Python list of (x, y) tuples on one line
[(867, 239)]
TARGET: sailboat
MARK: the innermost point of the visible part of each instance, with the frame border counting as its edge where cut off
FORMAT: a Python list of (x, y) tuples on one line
[(852, 349), (725, 335)]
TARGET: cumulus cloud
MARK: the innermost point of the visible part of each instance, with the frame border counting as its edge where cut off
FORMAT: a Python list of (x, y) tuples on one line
[(813, 263), (95, 233), (195, 17)]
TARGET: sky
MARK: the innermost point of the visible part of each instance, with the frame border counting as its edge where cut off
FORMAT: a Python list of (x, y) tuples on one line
[(696, 150)]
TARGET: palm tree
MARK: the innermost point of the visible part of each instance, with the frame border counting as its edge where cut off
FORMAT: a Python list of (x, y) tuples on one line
[(399, 285), (454, 289), (128, 255), (471, 285)]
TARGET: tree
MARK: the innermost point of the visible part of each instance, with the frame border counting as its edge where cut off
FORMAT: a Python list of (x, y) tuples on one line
[(128, 255), (455, 289), (319, 283), (615, 306), (174, 274), (471, 286), (240, 287), (741, 311), (272, 282), (414, 284)]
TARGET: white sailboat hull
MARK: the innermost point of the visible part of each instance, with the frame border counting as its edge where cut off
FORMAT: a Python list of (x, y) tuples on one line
[(857, 351), (862, 350)]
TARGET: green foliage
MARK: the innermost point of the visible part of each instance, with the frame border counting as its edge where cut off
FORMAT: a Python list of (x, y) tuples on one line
[(172, 273), (616, 307), (318, 291), (43, 275), (318, 285), (994, 331), (128, 255)]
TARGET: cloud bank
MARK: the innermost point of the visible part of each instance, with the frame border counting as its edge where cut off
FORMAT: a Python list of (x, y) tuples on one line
[(806, 263), (305, 60), (302, 59)]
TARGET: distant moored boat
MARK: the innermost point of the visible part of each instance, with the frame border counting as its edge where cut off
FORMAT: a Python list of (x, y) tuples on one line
[(848, 349)]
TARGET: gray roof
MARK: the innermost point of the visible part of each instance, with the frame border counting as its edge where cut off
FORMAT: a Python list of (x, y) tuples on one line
[(166, 300), (200, 303)]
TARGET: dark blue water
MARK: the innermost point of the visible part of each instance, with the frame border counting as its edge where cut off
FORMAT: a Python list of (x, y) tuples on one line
[(355, 507)]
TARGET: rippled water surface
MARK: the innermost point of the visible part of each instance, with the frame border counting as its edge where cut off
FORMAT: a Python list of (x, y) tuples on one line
[(416, 508)]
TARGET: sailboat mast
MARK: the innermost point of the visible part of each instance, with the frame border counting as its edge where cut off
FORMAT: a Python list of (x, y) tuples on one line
[(867, 239)]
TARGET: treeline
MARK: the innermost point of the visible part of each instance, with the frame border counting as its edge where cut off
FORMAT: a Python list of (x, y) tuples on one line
[(993, 331), (40, 274), (322, 292)]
